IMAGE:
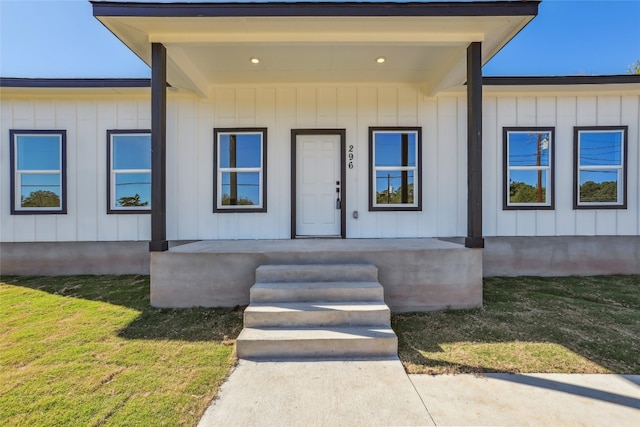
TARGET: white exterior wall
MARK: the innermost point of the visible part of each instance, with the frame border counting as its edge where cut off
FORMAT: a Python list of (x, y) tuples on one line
[(191, 120), (86, 120), (280, 109), (562, 112)]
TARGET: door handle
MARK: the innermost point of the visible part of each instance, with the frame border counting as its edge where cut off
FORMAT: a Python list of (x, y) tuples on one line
[(338, 204)]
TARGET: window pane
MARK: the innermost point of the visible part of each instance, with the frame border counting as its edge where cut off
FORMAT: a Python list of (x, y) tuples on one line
[(40, 190), (133, 190), (600, 148), (38, 152), (132, 151), (240, 188), (599, 186), (240, 150), (394, 187), (529, 148), (528, 186), (395, 149)]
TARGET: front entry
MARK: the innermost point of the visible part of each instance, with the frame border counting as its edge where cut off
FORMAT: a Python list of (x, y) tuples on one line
[(318, 193)]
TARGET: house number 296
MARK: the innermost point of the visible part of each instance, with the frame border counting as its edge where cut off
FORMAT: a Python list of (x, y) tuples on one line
[(351, 156)]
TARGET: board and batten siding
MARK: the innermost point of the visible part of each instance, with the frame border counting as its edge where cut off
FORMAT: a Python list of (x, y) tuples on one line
[(283, 108), (86, 120), (190, 124), (562, 112)]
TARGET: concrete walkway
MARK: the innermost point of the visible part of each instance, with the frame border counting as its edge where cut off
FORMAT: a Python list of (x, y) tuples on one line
[(379, 393)]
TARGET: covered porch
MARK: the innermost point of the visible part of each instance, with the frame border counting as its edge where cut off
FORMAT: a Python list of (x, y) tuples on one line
[(429, 46)]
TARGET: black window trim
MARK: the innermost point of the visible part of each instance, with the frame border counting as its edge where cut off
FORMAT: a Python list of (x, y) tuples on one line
[(263, 131), (416, 194), (125, 211), (63, 171), (625, 167), (505, 169)]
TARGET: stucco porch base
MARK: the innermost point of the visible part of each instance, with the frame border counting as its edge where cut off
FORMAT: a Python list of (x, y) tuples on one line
[(68, 258), (417, 274), (561, 256)]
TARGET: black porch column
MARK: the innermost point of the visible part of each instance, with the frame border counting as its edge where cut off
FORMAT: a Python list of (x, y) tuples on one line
[(158, 241), (474, 146)]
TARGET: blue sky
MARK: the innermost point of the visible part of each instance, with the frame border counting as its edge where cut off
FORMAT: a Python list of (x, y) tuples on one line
[(54, 38)]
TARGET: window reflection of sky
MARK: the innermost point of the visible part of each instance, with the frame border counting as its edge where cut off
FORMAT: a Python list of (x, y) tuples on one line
[(132, 152), (388, 151), (598, 176), (529, 177), (248, 150), (388, 154), (523, 148), (391, 180), (600, 148), (38, 152), (40, 182), (130, 184), (248, 186)]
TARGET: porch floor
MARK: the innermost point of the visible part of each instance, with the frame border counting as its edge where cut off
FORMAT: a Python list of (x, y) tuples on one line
[(312, 245), (417, 274)]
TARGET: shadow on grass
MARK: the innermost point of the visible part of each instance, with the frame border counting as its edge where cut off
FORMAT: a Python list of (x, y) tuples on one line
[(192, 324), (414, 356), (597, 319)]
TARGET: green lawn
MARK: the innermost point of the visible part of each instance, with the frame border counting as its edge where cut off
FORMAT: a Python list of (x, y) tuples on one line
[(531, 324), (88, 350)]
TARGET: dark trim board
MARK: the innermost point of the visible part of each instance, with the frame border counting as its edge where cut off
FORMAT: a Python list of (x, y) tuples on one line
[(158, 241), (561, 80), (73, 83), (343, 174), (20, 82), (474, 146), (317, 9)]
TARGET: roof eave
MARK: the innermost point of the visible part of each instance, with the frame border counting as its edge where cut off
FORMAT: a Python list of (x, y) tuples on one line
[(316, 9)]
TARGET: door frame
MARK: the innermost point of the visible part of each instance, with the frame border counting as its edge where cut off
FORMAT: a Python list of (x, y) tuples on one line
[(343, 174)]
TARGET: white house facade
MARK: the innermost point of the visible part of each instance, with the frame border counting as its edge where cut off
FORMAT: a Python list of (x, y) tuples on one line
[(312, 132)]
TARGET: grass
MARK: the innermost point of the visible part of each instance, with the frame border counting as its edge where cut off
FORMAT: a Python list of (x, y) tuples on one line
[(531, 324), (89, 350)]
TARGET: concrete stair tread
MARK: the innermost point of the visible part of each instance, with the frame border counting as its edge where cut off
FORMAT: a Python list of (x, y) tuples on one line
[(316, 291), (313, 266), (310, 334), (333, 284), (316, 272), (316, 306)]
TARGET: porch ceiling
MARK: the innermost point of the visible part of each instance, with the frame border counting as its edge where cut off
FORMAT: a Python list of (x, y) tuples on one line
[(212, 43)]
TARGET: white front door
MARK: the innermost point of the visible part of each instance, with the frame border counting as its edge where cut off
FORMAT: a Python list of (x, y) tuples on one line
[(318, 187)]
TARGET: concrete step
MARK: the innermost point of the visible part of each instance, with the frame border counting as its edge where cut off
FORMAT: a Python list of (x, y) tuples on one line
[(365, 291), (316, 273), (281, 343), (315, 314)]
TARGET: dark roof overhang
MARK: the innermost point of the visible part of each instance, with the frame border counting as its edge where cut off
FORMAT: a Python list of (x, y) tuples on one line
[(316, 42), (316, 9)]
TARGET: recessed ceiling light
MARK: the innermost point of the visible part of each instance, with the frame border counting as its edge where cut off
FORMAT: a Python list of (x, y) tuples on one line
[(255, 60), (380, 59)]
